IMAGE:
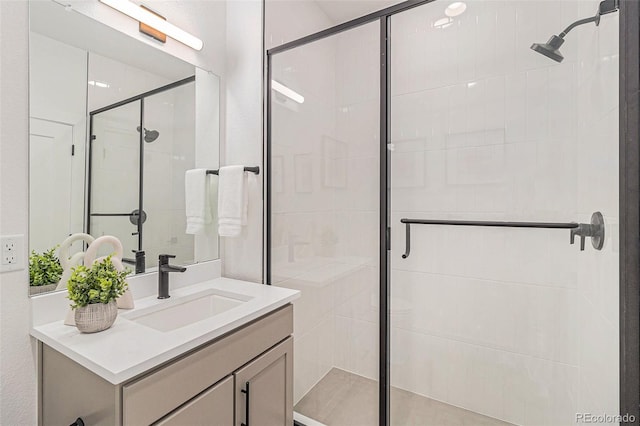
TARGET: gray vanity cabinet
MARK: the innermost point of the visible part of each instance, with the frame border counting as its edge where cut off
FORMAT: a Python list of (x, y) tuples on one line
[(206, 386), (266, 385), (213, 407)]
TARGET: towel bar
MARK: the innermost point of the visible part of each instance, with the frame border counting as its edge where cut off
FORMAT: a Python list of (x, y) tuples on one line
[(594, 230)]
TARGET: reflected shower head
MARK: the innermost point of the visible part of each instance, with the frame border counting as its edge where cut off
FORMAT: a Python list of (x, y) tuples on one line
[(149, 135), (550, 48)]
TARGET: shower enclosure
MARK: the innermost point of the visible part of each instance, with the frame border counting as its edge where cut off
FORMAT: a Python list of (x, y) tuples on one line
[(448, 202), (135, 178)]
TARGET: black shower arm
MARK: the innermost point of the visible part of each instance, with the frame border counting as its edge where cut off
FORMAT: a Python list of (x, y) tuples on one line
[(595, 19), (606, 6)]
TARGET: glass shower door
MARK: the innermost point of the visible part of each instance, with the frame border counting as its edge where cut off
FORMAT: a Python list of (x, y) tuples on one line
[(115, 163), (169, 151), (496, 325), (324, 166)]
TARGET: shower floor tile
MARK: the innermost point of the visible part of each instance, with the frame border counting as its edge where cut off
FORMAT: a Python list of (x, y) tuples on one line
[(345, 399)]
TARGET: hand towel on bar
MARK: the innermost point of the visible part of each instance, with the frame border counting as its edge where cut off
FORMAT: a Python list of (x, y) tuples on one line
[(197, 203), (232, 201)]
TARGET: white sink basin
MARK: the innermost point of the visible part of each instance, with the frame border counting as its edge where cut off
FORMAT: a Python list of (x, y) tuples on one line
[(181, 312)]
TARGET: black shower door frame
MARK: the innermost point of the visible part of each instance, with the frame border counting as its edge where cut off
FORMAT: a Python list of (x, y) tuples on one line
[(629, 190)]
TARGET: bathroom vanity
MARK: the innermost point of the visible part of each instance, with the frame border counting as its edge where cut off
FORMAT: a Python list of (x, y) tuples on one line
[(227, 362)]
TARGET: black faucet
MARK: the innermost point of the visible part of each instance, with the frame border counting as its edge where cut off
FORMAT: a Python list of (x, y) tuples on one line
[(139, 261), (163, 274)]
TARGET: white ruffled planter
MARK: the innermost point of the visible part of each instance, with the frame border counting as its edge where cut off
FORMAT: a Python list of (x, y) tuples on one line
[(96, 317)]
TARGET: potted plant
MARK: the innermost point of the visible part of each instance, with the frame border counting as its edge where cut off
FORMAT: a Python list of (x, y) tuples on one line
[(45, 271), (93, 291)]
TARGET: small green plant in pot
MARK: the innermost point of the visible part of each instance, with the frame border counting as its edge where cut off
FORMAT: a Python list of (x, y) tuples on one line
[(45, 271), (93, 292)]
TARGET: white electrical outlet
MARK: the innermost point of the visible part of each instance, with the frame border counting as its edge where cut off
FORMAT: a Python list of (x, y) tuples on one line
[(12, 250)]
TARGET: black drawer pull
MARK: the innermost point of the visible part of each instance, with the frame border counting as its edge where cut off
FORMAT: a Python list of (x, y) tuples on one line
[(246, 406)]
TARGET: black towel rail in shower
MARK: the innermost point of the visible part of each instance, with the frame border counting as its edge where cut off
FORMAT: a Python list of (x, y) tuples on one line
[(594, 230), (255, 170)]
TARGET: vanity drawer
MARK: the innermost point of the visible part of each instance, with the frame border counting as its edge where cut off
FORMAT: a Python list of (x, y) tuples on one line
[(213, 407), (155, 395)]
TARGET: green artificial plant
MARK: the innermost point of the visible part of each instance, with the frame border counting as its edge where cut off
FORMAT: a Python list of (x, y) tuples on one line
[(100, 283), (44, 268)]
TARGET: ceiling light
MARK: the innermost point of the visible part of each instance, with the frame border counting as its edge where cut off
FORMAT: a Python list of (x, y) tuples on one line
[(455, 9), (141, 15), (443, 23), (289, 93)]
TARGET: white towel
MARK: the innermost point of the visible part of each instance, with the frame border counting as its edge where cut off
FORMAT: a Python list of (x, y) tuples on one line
[(197, 204), (232, 201)]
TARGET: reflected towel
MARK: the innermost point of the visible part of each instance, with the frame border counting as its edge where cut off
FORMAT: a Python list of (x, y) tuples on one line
[(197, 204), (232, 201)]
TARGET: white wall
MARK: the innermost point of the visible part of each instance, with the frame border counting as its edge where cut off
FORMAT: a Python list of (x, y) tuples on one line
[(243, 139), (207, 150), (288, 20), (58, 93), (123, 80), (17, 356), (515, 324)]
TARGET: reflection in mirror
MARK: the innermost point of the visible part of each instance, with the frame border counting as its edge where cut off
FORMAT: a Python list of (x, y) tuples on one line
[(114, 125)]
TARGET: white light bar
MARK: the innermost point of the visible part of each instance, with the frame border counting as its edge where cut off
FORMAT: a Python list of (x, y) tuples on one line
[(293, 95), (139, 14)]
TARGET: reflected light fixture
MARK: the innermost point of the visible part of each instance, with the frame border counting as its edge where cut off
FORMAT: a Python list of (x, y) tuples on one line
[(443, 23), (99, 84), (148, 18), (289, 93), (455, 9)]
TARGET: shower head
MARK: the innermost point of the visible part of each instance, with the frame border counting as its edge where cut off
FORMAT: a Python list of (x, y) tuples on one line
[(149, 135), (550, 48)]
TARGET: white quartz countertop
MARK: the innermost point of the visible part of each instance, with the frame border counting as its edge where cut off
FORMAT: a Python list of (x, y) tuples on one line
[(130, 348)]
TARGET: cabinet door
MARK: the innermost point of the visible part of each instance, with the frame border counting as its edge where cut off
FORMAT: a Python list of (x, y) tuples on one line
[(266, 384), (214, 407)]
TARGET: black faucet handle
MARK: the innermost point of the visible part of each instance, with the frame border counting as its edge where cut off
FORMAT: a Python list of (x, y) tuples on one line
[(164, 258)]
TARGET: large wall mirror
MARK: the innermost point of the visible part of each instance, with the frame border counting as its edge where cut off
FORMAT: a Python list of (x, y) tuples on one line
[(114, 125)]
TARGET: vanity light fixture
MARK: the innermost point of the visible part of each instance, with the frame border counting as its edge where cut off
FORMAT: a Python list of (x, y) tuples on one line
[(146, 17), (289, 93), (150, 31)]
